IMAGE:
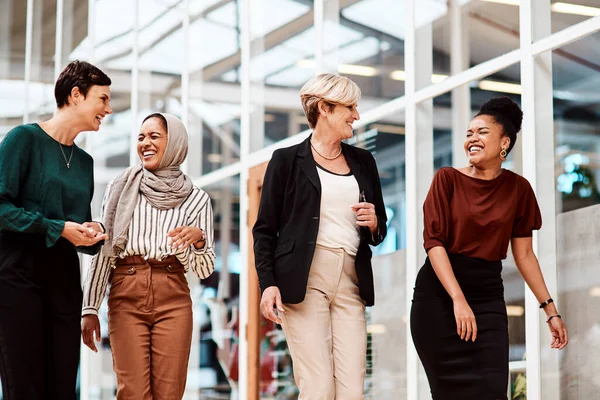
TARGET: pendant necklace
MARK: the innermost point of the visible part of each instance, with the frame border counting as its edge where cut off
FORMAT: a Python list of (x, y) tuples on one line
[(65, 157)]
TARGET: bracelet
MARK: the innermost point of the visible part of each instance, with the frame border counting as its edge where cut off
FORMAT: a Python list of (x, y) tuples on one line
[(544, 304), (552, 316)]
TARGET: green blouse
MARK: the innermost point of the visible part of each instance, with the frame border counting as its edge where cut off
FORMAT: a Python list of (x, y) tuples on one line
[(38, 193)]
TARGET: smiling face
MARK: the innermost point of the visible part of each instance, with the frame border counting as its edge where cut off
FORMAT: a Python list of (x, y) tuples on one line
[(484, 142), (152, 143), (339, 119), (92, 108)]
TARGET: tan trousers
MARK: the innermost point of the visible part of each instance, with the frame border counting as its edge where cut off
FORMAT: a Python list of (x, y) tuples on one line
[(150, 327), (326, 333)]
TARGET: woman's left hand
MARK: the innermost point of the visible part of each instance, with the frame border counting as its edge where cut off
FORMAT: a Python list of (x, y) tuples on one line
[(185, 236), (95, 228), (365, 215), (558, 330)]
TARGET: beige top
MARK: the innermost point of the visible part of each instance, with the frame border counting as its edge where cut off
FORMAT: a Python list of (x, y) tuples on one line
[(338, 228)]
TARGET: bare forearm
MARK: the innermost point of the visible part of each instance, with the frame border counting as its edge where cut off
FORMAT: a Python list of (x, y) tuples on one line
[(529, 268), (443, 269)]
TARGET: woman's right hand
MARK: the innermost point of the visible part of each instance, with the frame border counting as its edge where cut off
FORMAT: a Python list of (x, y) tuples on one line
[(81, 236), (90, 325), (466, 326), (271, 297)]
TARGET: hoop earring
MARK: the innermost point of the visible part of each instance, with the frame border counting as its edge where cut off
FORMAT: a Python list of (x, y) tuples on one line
[(503, 154)]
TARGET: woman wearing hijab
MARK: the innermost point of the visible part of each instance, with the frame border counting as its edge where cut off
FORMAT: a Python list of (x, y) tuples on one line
[(159, 225)]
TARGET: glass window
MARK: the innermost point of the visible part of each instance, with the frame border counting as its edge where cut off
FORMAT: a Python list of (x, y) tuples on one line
[(385, 139), (40, 101), (576, 88), (576, 85), (570, 12), (493, 28), (216, 303)]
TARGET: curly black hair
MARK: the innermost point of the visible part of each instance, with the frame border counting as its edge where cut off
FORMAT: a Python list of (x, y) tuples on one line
[(507, 114)]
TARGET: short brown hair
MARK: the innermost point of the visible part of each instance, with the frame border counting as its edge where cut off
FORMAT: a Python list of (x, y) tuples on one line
[(79, 74), (330, 88)]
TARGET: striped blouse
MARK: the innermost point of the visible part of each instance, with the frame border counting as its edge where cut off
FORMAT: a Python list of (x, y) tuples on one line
[(148, 238)]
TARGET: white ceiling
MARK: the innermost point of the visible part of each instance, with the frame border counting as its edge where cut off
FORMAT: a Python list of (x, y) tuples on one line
[(493, 31)]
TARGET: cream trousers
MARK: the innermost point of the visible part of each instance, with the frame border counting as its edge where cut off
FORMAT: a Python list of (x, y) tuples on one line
[(327, 333)]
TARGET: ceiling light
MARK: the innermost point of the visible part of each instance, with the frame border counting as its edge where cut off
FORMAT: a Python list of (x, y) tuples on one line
[(502, 87), (507, 2), (515, 311), (566, 8), (559, 7), (437, 78), (399, 75), (595, 291), (361, 70), (214, 158), (349, 69)]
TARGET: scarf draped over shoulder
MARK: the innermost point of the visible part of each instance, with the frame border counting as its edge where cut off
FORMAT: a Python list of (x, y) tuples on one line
[(164, 188)]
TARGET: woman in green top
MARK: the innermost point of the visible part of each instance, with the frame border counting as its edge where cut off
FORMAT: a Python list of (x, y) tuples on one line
[(46, 186)]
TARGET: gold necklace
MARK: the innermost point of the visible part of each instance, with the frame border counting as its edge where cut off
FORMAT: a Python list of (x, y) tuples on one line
[(325, 157), (64, 156)]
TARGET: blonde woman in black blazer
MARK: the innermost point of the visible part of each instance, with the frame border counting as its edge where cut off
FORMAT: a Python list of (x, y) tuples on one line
[(321, 208)]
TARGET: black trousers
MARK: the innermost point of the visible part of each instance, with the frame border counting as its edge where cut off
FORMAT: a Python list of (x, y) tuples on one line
[(40, 318)]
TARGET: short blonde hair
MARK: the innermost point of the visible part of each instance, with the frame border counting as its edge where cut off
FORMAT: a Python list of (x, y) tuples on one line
[(330, 88)]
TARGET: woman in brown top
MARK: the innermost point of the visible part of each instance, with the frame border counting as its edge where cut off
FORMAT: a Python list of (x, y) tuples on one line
[(458, 318)]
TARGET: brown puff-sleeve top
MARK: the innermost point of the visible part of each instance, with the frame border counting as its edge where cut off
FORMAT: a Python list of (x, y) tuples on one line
[(476, 217)]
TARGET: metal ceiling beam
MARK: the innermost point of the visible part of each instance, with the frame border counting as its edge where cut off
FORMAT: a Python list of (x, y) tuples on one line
[(264, 43), (166, 34)]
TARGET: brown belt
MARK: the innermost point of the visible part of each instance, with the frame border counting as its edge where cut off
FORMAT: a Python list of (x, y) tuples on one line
[(131, 263)]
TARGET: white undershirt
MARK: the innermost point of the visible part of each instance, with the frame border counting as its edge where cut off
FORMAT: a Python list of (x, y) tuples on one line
[(338, 228)]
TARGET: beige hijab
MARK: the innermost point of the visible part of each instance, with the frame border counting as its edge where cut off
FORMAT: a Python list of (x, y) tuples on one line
[(165, 188)]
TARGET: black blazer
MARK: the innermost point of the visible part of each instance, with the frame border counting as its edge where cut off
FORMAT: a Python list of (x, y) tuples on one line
[(285, 232)]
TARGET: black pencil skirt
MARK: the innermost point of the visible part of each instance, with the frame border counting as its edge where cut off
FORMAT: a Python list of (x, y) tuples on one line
[(40, 318), (457, 369)]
